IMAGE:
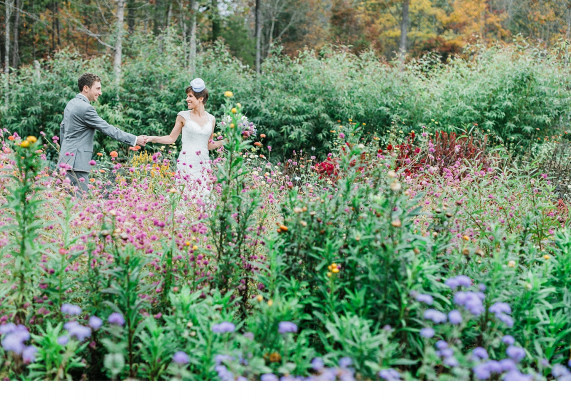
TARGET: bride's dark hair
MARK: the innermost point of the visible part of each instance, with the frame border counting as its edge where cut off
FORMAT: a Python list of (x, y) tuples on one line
[(199, 95)]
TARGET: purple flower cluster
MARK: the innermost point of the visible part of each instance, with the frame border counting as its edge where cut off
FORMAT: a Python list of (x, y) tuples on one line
[(435, 316), (508, 339), (95, 322), (501, 310), (268, 378), (460, 280), (389, 375), (479, 353), (78, 331), (561, 373), (427, 333), (223, 327), (70, 309), (446, 353), (515, 353), (423, 298), (455, 317), (116, 319), (343, 372), (181, 358), (14, 338), (471, 301), (287, 327)]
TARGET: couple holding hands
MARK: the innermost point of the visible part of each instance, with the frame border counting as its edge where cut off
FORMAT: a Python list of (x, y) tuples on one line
[(80, 120)]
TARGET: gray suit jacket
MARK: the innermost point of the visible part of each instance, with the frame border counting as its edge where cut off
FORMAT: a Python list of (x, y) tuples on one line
[(77, 131)]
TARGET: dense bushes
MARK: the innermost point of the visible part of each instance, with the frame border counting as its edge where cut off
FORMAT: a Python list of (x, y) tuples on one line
[(518, 93)]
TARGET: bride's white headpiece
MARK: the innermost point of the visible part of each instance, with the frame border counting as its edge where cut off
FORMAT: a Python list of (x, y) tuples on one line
[(197, 85)]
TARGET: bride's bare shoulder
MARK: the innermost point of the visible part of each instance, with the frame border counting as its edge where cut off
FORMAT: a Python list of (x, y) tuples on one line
[(182, 116)]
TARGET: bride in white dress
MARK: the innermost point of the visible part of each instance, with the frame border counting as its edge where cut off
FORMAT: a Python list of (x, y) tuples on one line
[(197, 128)]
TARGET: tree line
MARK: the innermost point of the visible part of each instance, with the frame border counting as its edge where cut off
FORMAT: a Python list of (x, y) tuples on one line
[(36, 29)]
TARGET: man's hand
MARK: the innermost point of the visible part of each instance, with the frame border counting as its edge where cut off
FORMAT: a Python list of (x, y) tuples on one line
[(142, 140)]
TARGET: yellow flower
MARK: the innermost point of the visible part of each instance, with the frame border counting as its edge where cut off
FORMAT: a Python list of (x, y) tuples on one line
[(466, 237), (228, 94), (259, 298), (270, 302), (238, 105), (511, 263), (329, 274), (194, 248), (547, 256), (187, 243), (335, 270), (234, 110), (31, 139), (232, 126), (25, 143)]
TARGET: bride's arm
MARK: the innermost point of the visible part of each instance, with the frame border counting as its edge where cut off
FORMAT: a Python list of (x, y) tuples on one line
[(170, 139), (213, 145)]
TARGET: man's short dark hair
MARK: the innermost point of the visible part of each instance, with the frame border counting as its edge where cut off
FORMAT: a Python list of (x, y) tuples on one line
[(87, 80)]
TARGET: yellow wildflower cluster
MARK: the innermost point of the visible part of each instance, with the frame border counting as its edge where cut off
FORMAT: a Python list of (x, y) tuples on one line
[(333, 269)]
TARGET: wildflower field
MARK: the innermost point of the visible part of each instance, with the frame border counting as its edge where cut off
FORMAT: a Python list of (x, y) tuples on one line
[(438, 257), (410, 227)]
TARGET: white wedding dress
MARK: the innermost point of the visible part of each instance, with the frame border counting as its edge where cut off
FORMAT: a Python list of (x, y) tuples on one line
[(193, 164)]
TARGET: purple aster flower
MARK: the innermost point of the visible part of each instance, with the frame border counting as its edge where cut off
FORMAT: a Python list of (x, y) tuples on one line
[(506, 319), (460, 298), (427, 332), (482, 372), (473, 303), (515, 375), (508, 339), (500, 307), (221, 358), (29, 354), (223, 327), (70, 309), (7, 328), (515, 353), (13, 342), (441, 345), (559, 370), (249, 335), (494, 366), (435, 316), (452, 283), (389, 375), (460, 280), (444, 353), (479, 353), (78, 331), (223, 373), (268, 377), (328, 374), (181, 358), (455, 317), (287, 327), (482, 287), (507, 364), (95, 322), (346, 375), (425, 298), (317, 364), (345, 362), (63, 340), (451, 362), (116, 319)]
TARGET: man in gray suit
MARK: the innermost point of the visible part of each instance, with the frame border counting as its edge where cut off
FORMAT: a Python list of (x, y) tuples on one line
[(80, 120)]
